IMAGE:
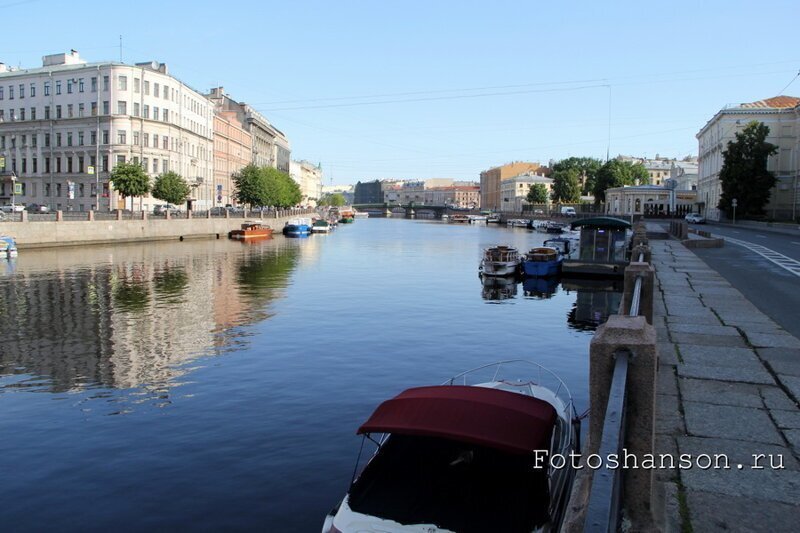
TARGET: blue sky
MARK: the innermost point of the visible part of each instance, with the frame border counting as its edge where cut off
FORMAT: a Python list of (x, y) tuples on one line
[(445, 89)]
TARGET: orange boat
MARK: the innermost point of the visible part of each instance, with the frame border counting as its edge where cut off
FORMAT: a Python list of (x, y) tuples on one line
[(251, 230)]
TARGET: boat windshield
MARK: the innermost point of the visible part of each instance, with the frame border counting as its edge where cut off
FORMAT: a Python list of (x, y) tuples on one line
[(454, 485), (501, 254)]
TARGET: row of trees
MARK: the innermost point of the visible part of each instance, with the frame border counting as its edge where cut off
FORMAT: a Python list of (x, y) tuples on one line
[(131, 181), (576, 176), (265, 186), (332, 199)]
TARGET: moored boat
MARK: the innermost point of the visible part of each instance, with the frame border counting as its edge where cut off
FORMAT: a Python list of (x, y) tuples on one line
[(518, 223), (459, 219), (477, 219), (250, 230), (360, 214), (321, 226), (542, 262), (463, 456), (299, 227), (8, 246), (500, 261), (347, 216)]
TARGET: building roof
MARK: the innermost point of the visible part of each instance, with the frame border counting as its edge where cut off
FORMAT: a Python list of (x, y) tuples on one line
[(776, 102)]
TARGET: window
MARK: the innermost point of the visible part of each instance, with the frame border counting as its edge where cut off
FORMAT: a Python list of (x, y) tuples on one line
[(155, 140), (164, 165), (24, 165), (47, 139), (105, 136), (22, 90), (122, 83), (147, 140), (58, 86), (165, 142), (122, 137), (47, 170), (80, 85), (155, 90), (105, 83), (146, 113), (69, 138), (155, 166), (166, 115), (136, 83), (69, 110), (94, 109), (69, 86), (58, 111), (106, 109), (33, 113), (58, 185), (10, 92), (92, 160), (47, 112), (145, 162), (34, 140), (94, 85), (120, 159), (2, 95), (35, 167), (81, 188), (136, 110), (2, 115), (93, 189), (81, 109), (69, 165), (58, 139), (155, 113), (147, 88), (105, 163), (80, 138), (22, 113), (135, 160), (93, 138), (136, 138), (58, 168), (47, 88), (122, 107)]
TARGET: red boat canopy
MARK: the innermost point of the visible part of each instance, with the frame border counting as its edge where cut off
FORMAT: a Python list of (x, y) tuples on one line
[(494, 418)]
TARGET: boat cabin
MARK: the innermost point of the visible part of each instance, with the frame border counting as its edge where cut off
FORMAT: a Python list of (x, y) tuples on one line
[(542, 254), (603, 249)]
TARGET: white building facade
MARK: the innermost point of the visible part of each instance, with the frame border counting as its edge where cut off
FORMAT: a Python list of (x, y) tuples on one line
[(782, 115), (309, 178), (513, 191), (64, 126)]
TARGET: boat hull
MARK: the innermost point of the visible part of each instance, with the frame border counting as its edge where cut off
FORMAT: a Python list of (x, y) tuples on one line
[(498, 268), (292, 230), (242, 235), (542, 269)]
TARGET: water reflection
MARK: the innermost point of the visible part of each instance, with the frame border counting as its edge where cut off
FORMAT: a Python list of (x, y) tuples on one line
[(540, 288), (498, 288), (130, 316), (596, 300)]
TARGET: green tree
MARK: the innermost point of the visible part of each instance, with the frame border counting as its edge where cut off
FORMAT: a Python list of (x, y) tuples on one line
[(744, 175), (566, 186), (537, 194), (171, 188), (282, 190), (616, 173), (251, 187), (335, 199), (587, 168), (130, 180)]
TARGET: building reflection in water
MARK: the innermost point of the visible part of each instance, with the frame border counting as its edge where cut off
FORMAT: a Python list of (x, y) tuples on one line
[(131, 316), (596, 300), (498, 288)]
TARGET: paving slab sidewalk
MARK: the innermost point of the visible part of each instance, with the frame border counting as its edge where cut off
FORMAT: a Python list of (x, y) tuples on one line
[(729, 390)]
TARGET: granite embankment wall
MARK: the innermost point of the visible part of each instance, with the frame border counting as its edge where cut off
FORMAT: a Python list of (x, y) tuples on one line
[(43, 234)]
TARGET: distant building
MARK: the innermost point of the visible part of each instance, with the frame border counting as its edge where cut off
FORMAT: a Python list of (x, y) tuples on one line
[(369, 192), (658, 169), (514, 190), (491, 179), (233, 146), (684, 174), (782, 115), (345, 190), (308, 177), (649, 200)]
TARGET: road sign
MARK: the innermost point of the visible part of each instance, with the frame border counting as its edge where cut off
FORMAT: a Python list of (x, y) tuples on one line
[(18, 189), (90, 170), (2, 163), (71, 190), (219, 198), (734, 202)]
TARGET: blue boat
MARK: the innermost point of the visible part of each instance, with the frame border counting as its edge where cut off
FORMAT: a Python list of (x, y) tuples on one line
[(8, 247), (300, 227), (542, 262)]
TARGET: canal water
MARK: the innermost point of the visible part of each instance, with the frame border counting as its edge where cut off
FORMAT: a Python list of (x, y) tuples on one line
[(219, 385)]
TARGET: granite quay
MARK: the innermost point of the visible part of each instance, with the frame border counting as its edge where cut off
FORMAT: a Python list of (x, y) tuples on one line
[(119, 226)]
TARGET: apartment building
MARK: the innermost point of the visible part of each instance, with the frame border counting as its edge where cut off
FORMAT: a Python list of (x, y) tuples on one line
[(65, 125), (492, 178), (782, 115), (308, 177)]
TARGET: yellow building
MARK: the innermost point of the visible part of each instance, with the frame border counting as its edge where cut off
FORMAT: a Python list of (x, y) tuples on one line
[(490, 181)]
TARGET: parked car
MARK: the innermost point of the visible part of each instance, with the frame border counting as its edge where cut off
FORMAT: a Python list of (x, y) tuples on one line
[(538, 212), (161, 209), (568, 212), (18, 208), (37, 208), (695, 218)]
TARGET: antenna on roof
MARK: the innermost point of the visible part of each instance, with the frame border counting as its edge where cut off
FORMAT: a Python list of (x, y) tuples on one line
[(120, 48)]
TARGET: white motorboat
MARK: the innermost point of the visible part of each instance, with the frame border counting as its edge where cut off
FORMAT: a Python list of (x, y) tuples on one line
[(500, 261), (518, 223), (8, 246), (466, 456)]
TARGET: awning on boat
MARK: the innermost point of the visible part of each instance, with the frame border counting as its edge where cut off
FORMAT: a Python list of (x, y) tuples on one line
[(602, 222), (495, 418)]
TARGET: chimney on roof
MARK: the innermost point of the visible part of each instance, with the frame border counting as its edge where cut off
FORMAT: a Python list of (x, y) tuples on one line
[(72, 58), (3, 67)]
